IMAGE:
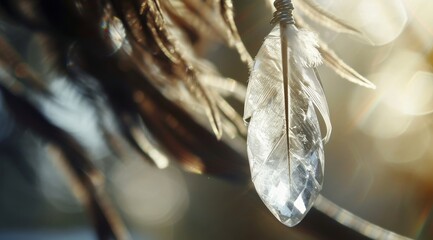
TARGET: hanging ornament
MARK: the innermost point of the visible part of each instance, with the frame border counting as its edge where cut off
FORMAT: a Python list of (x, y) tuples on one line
[(285, 145)]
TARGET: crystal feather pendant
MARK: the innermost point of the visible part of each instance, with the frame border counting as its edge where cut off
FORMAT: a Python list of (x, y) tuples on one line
[(285, 145)]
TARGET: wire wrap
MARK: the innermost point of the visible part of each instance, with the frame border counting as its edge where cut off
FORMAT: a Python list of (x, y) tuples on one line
[(283, 14)]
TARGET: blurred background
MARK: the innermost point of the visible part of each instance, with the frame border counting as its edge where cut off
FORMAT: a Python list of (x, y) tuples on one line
[(379, 162)]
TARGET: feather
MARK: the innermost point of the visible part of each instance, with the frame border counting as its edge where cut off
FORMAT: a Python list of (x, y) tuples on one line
[(204, 96), (171, 126), (162, 46), (226, 87), (332, 60), (324, 18), (228, 16), (197, 29), (152, 10), (287, 170), (231, 115), (341, 68), (221, 21)]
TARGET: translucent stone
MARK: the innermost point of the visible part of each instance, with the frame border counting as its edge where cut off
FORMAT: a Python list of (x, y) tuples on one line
[(288, 184), (288, 199)]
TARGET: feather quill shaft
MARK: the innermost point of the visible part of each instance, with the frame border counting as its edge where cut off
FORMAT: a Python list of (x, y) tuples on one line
[(285, 67)]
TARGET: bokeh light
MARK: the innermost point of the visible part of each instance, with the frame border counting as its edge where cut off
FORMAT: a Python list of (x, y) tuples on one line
[(369, 15), (150, 196)]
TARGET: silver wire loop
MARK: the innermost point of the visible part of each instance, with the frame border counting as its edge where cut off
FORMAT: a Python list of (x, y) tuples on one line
[(283, 14)]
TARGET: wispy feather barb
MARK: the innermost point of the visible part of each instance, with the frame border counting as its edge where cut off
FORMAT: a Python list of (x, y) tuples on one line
[(217, 16), (333, 61), (321, 16), (341, 68), (152, 11), (324, 18)]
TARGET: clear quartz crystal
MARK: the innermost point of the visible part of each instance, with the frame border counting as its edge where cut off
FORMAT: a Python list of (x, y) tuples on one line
[(288, 196)]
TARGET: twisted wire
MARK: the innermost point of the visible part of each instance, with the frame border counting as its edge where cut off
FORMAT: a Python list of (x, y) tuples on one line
[(283, 14)]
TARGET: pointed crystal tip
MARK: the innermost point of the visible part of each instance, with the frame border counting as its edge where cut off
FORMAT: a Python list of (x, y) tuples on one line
[(288, 196), (289, 203)]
